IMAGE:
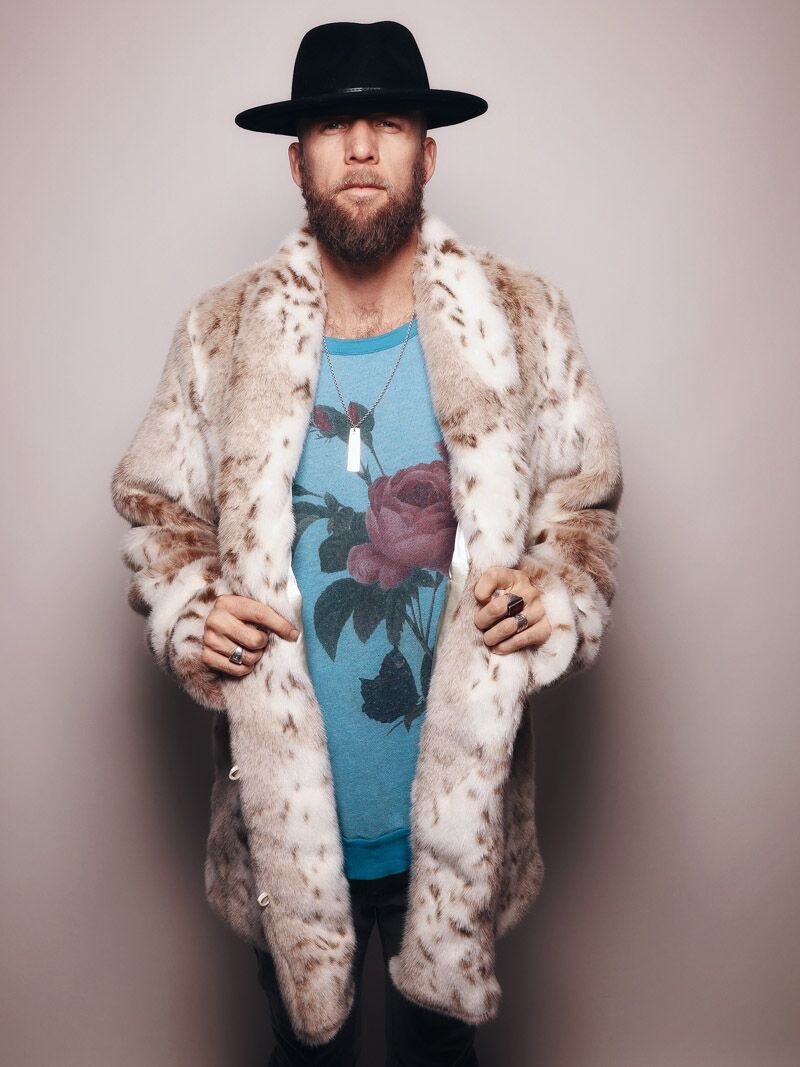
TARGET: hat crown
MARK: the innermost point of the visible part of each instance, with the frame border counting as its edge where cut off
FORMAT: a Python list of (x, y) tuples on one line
[(338, 57)]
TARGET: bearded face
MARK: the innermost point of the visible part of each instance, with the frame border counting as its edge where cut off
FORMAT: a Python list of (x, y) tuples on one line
[(364, 225)]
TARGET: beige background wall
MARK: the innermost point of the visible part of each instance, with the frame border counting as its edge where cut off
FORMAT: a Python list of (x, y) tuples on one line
[(645, 157)]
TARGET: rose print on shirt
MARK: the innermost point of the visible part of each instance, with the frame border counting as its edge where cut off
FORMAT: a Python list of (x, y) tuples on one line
[(397, 555), (410, 523)]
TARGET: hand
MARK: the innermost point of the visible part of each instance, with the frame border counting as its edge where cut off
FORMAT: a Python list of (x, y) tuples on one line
[(500, 632), (240, 620)]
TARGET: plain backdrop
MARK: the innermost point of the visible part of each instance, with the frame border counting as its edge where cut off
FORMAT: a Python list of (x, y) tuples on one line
[(644, 157)]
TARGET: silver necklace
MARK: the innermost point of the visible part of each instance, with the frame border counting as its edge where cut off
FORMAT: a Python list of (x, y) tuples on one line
[(354, 437)]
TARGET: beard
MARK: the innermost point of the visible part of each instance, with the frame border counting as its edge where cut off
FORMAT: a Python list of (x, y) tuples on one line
[(367, 231)]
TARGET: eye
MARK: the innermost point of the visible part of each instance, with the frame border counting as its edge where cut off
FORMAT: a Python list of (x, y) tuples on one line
[(339, 122)]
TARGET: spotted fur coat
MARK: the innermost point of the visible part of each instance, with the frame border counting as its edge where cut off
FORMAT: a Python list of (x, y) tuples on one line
[(536, 480)]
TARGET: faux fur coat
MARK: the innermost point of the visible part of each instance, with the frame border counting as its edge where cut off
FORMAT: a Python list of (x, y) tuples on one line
[(535, 483)]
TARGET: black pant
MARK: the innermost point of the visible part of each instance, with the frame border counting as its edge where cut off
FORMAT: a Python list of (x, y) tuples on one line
[(415, 1036)]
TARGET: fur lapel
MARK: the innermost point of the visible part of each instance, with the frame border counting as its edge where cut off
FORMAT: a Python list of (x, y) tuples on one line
[(475, 700)]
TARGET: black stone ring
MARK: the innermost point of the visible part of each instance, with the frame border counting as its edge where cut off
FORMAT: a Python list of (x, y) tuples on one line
[(515, 605)]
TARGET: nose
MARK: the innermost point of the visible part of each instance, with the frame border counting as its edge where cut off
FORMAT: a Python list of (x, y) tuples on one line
[(361, 142)]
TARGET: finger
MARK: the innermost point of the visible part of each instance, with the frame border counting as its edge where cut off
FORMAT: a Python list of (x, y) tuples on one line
[(222, 664), (246, 614), (229, 629), (507, 626), (225, 646), (497, 606), (491, 579), (530, 637)]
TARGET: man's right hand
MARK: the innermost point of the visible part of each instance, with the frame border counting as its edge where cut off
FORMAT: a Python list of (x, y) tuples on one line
[(240, 620)]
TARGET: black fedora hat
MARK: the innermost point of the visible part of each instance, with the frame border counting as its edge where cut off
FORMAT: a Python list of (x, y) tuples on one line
[(360, 66)]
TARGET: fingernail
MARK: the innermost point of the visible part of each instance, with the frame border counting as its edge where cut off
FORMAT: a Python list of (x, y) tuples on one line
[(295, 633)]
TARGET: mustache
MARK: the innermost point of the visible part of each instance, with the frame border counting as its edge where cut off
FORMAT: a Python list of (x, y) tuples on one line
[(362, 181)]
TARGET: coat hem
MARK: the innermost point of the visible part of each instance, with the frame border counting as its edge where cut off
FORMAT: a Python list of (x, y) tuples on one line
[(471, 1018)]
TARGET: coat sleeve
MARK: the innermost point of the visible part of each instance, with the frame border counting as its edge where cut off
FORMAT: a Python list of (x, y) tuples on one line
[(571, 555), (161, 487)]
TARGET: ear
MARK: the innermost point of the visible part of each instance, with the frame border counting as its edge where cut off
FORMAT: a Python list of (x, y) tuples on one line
[(294, 162)]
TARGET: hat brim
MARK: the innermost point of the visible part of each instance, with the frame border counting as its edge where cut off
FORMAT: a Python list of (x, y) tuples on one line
[(442, 107)]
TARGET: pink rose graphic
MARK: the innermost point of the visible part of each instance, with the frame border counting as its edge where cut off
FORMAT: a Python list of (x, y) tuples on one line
[(410, 522), (321, 421)]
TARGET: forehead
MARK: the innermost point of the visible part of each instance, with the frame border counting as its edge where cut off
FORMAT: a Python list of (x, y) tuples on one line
[(398, 111)]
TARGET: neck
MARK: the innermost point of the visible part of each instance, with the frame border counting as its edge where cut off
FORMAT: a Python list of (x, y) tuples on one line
[(365, 299)]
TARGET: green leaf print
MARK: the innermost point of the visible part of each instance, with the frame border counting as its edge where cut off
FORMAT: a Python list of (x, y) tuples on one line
[(420, 577), (425, 672), (305, 514), (395, 613), (333, 553), (346, 527), (333, 608), (393, 694), (369, 611)]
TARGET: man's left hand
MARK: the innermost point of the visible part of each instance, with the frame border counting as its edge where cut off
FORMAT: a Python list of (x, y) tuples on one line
[(500, 632)]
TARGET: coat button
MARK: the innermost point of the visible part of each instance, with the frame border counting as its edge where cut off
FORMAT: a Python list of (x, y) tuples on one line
[(263, 899), (234, 772)]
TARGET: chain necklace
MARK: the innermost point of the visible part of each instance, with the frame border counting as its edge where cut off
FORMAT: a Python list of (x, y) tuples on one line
[(354, 437)]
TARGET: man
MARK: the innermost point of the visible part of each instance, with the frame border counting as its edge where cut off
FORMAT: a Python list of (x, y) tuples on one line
[(374, 508)]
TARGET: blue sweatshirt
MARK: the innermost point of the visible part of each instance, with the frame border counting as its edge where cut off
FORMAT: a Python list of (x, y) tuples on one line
[(371, 556)]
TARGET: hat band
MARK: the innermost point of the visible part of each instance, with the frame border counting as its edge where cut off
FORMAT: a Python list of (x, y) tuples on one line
[(365, 89)]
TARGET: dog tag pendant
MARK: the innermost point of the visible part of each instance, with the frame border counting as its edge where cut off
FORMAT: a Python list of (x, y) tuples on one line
[(354, 449)]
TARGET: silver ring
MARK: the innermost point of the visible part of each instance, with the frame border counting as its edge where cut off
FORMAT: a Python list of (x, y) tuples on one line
[(522, 622), (236, 655)]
